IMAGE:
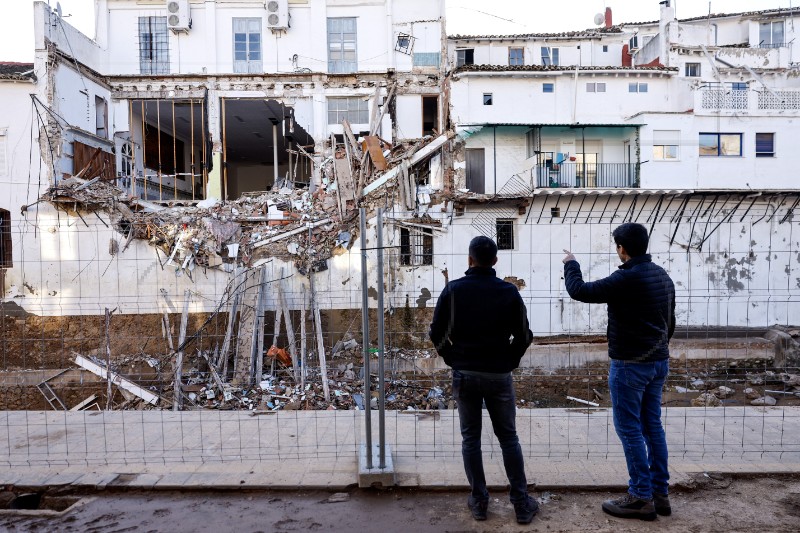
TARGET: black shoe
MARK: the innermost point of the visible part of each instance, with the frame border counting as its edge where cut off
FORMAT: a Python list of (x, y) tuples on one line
[(526, 510), (478, 508), (661, 503), (630, 506)]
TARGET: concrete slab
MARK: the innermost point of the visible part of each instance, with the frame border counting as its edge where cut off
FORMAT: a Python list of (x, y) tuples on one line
[(562, 448), (376, 476)]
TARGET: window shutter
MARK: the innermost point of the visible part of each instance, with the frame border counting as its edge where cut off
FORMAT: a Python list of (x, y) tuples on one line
[(666, 137)]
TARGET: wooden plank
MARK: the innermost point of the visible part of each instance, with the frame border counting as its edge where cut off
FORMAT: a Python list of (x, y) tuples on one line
[(303, 340), (373, 146), (352, 145), (323, 367), (178, 401), (289, 331), (222, 359), (247, 321), (376, 124), (257, 353)]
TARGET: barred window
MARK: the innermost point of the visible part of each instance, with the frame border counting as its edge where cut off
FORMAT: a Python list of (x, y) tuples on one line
[(153, 45), (505, 234), (354, 109), (416, 247), (5, 239)]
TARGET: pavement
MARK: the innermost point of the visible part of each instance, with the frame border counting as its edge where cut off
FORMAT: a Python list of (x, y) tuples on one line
[(564, 448)]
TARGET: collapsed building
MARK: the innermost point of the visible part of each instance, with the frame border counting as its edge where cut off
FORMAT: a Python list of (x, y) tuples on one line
[(203, 165)]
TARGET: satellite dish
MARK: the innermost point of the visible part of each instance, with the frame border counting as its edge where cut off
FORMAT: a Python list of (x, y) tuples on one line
[(58, 9), (599, 19)]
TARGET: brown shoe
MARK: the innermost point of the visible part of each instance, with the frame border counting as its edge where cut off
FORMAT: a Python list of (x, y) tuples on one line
[(629, 506)]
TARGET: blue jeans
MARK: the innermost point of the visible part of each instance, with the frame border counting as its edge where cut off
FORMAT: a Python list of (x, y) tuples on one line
[(470, 392), (636, 403)]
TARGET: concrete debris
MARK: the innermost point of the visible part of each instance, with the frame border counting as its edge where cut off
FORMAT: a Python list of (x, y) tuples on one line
[(706, 400), (223, 234), (722, 392), (751, 394), (99, 369), (764, 400)]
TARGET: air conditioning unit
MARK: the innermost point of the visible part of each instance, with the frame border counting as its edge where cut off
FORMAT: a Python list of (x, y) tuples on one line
[(277, 14), (178, 18), (633, 44)]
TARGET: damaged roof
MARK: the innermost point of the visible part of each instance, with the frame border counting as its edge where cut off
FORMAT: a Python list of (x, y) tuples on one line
[(10, 70), (581, 34), (764, 12), (559, 68)]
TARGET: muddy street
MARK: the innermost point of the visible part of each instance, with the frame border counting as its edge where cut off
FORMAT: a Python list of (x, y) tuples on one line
[(707, 503)]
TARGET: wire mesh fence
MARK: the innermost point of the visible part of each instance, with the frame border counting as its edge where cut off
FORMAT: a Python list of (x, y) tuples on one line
[(115, 356)]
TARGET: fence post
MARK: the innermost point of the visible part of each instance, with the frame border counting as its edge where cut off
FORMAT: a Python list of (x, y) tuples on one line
[(381, 348), (365, 333)]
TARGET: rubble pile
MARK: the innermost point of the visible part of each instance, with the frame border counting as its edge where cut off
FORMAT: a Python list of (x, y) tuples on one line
[(304, 224), (759, 388), (277, 390)]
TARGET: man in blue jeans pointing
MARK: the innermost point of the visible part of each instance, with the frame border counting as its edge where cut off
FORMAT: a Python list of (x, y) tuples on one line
[(641, 320), (480, 328)]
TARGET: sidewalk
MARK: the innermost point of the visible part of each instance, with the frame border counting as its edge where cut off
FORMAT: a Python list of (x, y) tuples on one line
[(306, 449)]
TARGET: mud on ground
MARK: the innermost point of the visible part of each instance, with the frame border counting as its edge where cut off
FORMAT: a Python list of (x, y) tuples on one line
[(709, 503)]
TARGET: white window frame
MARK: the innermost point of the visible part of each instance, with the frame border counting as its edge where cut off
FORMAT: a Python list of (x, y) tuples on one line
[(638, 87), (252, 60), (665, 144), (550, 56), (353, 108), (342, 37), (3, 152), (489, 100), (461, 56), (762, 42), (517, 61), (154, 49), (596, 87), (689, 70)]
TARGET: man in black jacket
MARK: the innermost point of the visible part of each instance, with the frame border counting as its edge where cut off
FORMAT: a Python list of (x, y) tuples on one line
[(641, 321), (480, 328)]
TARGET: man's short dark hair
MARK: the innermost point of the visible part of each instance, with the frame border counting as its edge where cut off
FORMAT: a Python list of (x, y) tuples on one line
[(633, 237), (483, 251)]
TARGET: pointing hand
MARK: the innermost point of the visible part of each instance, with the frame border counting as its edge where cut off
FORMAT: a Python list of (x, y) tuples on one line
[(567, 258)]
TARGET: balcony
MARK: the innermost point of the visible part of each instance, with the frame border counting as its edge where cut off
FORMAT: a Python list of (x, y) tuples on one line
[(589, 175), (719, 99)]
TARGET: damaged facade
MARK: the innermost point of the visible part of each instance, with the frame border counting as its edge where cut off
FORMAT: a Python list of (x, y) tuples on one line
[(208, 159)]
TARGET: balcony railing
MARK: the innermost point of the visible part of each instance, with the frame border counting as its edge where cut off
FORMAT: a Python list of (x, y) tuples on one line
[(725, 99), (589, 175), (744, 100)]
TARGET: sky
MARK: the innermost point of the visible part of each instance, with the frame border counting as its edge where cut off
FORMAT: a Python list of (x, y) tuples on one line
[(463, 16)]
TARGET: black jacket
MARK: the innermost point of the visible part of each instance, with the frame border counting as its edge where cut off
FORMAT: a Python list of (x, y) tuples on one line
[(475, 319), (641, 307)]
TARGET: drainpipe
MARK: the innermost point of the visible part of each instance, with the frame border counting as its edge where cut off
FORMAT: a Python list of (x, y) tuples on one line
[(275, 153), (390, 31), (583, 155), (494, 155)]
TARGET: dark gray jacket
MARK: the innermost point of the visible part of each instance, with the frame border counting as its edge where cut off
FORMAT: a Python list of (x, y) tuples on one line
[(641, 307)]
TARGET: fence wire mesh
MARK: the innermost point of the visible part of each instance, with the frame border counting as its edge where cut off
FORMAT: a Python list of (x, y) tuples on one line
[(82, 305)]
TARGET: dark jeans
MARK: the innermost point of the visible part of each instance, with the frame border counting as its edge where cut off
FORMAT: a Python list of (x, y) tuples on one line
[(636, 402), (470, 393)]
